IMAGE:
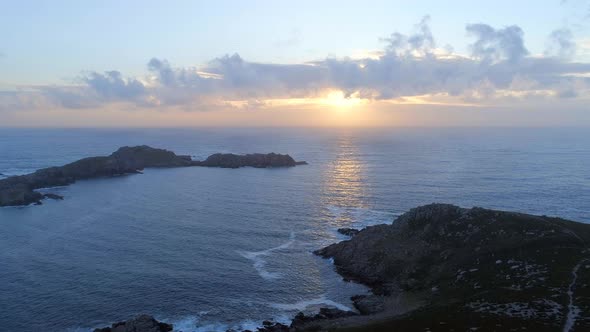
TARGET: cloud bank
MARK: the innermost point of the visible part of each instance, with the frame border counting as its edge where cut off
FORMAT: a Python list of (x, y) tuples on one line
[(499, 68)]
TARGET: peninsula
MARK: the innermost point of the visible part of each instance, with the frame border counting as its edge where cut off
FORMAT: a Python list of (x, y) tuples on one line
[(21, 190)]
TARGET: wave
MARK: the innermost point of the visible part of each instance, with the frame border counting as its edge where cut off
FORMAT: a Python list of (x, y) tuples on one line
[(193, 324), (259, 263), (302, 305), (7, 174), (50, 188)]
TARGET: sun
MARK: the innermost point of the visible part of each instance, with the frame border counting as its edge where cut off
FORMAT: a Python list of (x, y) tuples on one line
[(339, 101)]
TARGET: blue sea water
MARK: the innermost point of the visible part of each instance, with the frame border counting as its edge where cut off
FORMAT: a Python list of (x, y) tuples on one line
[(209, 249)]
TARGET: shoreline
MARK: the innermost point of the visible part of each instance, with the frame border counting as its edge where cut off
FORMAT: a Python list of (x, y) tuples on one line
[(492, 269)]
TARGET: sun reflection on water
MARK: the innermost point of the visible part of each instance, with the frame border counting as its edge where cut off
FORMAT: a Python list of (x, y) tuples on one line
[(344, 187)]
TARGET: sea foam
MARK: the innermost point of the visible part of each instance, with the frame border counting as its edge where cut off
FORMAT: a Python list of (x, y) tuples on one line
[(259, 262), (304, 304)]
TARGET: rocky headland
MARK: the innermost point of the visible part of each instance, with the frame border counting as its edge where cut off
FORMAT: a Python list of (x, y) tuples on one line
[(21, 190), (440, 267)]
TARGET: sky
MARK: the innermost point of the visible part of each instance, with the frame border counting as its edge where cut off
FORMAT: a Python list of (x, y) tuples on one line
[(297, 63)]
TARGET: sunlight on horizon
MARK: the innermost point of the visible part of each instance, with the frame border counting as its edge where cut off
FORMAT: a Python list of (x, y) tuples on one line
[(339, 101)]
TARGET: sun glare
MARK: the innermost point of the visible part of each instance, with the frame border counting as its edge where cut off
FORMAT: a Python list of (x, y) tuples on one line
[(338, 100)]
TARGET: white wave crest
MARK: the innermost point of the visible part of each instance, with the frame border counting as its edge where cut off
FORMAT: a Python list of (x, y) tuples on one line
[(302, 305), (193, 324), (259, 263)]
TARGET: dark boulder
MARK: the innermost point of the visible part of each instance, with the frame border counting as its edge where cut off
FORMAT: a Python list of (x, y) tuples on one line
[(142, 323), (331, 313), (268, 326)]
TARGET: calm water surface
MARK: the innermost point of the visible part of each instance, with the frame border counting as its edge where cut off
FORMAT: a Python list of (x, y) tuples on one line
[(209, 249)]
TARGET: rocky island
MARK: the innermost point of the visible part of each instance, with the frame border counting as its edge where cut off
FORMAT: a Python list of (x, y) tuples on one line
[(440, 267), (21, 190)]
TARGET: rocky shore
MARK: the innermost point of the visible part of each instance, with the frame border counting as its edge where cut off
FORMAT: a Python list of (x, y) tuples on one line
[(21, 190), (142, 323), (440, 267)]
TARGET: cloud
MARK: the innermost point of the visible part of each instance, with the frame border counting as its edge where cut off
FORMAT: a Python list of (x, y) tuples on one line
[(422, 41), (499, 68), (112, 86), (497, 44), (163, 70), (561, 43)]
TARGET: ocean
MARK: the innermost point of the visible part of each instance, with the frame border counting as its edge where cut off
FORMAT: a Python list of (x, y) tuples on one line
[(210, 249)]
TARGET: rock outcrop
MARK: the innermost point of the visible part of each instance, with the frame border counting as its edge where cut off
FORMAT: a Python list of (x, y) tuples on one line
[(142, 323), (20, 190)]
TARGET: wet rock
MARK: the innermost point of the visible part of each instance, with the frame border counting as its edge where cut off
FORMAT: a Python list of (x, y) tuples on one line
[(348, 231), (142, 323), (273, 327), (301, 319), (331, 313)]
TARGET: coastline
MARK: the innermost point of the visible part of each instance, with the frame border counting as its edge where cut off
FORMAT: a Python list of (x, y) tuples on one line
[(462, 288)]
